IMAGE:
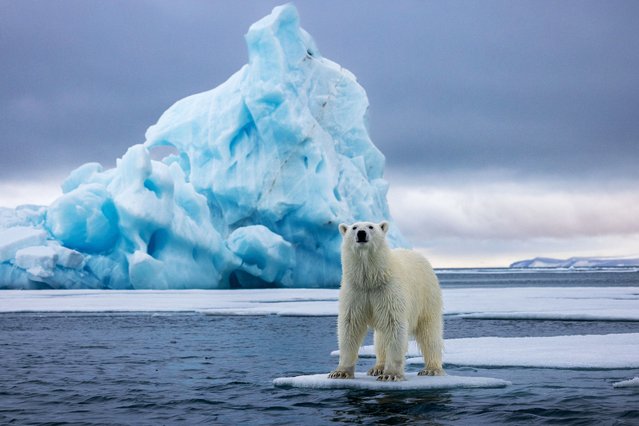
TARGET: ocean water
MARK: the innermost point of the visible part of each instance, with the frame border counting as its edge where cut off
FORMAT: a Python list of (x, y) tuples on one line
[(197, 369)]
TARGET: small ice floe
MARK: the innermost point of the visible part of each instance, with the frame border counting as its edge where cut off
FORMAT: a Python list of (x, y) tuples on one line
[(412, 382), (632, 383)]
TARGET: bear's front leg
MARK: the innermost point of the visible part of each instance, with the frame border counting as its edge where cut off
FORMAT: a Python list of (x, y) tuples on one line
[(351, 335)]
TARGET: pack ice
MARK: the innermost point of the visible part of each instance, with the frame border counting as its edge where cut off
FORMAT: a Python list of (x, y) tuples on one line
[(257, 175)]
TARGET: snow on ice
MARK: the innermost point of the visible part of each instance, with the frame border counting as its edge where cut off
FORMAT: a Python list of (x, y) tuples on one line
[(263, 168)]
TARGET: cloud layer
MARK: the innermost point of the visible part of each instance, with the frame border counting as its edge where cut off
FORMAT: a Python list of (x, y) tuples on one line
[(453, 85), (513, 212)]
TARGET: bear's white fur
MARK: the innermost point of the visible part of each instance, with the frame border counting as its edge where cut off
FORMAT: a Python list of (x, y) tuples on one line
[(394, 292)]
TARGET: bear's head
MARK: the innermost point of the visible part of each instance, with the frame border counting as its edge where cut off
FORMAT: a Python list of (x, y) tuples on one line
[(363, 235)]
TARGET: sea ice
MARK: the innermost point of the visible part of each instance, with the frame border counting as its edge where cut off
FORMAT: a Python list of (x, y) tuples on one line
[(608, 351), (412, 382), (544, 303), (632, 383), (585, 303), (263, 168)]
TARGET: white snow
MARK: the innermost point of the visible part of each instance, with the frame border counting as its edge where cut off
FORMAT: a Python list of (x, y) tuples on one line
[(412, 382), (632, 383)]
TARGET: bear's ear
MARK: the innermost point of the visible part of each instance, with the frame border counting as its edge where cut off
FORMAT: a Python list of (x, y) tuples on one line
[(343, 228), (384, 226)]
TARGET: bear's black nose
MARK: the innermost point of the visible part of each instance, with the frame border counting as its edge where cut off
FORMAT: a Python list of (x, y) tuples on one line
[(361, 236)]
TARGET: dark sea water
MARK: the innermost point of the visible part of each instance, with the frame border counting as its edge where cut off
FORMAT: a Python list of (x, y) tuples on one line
[(160, 369)]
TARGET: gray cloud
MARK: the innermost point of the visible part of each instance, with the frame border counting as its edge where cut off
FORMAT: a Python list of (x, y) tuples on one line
[(533, 89), (494, 224), (514, 212)]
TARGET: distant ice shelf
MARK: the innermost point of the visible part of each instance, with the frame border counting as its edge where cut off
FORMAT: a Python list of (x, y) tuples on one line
[(577, 262), (255, 176)]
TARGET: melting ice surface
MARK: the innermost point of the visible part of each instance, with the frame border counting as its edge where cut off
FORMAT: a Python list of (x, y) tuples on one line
[(263, 169)]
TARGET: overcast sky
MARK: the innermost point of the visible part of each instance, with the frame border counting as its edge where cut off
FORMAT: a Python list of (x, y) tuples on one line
[(510, 128)]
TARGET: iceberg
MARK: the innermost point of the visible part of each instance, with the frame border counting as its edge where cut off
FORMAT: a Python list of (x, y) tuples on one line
[(242, 186)]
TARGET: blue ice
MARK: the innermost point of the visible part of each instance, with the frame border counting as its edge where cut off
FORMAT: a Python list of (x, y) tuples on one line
[(261, 171)]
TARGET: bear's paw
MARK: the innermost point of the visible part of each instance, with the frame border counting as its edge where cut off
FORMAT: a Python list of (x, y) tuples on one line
[(390, 377), (341, 374), (432, 372), (378, 370)]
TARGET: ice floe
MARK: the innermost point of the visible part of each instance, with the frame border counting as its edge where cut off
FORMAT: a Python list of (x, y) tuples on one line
[(313, 302), (544, 303), (412, 382), (607, 351), (632, 383)]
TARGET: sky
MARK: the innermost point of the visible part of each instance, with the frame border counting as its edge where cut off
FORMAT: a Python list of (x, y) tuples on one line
[(510, 128)]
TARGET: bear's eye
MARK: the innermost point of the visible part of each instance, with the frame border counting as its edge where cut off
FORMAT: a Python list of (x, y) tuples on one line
[(370, 227), (354, 228)]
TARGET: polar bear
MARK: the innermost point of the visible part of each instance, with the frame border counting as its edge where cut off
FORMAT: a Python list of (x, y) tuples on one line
[(394, 292)]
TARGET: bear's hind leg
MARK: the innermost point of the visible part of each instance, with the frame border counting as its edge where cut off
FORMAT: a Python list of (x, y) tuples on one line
[(430, 340), (380, 355)]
